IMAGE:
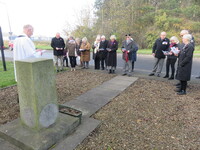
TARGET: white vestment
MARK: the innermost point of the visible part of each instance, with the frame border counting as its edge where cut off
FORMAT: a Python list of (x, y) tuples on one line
[(23, 48)]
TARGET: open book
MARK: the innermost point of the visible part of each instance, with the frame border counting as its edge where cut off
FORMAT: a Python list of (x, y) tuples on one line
[(174, 50)]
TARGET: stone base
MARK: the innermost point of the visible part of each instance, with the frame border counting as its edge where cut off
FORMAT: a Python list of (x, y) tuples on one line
[(27, 139)]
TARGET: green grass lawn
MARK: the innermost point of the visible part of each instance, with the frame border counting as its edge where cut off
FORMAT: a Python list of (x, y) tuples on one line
[(7, 77)]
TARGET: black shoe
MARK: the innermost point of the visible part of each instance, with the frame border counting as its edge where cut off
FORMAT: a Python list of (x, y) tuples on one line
[(177, 84), (178, 90), (182, 92), (158, 75), (124, 74), (110, 71), (151, 74), (57, 70), (198, 77), (166, 76), (171, 78)]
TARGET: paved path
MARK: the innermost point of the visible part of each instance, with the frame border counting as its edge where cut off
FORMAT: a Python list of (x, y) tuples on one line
[(89, 103), (144, 63)]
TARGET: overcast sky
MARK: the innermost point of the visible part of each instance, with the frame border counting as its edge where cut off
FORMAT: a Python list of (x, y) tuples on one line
[(46, 16)]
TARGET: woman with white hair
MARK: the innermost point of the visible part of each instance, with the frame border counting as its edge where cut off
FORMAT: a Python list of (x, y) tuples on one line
[(112, 54), (103, 51), (171, 58), (185, 63), (95, 48), (85, 53)]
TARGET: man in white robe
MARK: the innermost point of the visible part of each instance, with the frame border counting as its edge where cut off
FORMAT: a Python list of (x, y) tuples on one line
[(23, 46)]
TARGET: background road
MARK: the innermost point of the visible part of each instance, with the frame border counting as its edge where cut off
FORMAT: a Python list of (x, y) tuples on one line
[(144, 62)]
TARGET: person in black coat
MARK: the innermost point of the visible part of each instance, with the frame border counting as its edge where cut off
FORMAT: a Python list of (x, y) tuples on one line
[(185, 63), (103, 51), (128, 47), (182, 33), (161, 44), (58, 45), (112, 54), (171, 58), (96, 57), (134, 55)]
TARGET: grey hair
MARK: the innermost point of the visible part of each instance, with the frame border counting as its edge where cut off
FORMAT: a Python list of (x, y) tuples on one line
[(27, 26), (175, 39), (113, 37), (98, 37), (184, 32), (84, 39), (163, 33), (103, 37), (188, 37), (78, 39)]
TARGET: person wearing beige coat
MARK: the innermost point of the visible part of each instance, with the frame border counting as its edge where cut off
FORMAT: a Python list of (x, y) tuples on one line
[(85, 53)]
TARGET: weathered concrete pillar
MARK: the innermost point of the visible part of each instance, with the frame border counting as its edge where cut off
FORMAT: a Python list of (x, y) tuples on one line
[(37, 92)]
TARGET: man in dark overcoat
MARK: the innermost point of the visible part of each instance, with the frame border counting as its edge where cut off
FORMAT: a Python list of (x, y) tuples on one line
[(160, 45), (128, 47)]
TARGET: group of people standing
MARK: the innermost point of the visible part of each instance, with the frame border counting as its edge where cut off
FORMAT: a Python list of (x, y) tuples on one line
[(72, 49), (104, 53), (173, 50)]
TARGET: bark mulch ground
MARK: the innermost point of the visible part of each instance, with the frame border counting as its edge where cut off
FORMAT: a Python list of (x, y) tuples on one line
[(148, 116), (69, 85)]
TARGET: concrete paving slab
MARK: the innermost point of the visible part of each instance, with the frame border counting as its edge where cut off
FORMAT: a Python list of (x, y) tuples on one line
[(96, 98), (4, 145), (87, 108), (88, 125), (27, 139)]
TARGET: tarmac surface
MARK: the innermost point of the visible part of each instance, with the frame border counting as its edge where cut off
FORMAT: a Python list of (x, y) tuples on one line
[(144, 63)]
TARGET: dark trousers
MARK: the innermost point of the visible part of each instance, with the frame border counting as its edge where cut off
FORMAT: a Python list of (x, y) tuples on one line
[(170, 62), (102, 62), (96, 63), (72, 61), (65, 59), (133, 65), (183, 85)]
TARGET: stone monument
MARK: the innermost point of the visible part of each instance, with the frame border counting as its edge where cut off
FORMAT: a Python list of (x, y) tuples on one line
[(40, 125), (37, 92)]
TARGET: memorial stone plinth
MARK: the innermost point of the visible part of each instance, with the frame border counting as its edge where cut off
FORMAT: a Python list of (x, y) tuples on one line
[(37, 92), (41, 125)]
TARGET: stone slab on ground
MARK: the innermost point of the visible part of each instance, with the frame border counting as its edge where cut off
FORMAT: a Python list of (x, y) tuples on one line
[(96, 98), (27, 139), (87, 126), (4, 145)]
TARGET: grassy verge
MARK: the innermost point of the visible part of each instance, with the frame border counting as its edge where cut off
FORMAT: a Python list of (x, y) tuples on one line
[(43, 45), (7, 77)]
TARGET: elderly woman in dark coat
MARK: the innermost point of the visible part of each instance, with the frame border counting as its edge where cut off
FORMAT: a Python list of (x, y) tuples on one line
[(171, 58), (112, 54), (185, 64)]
